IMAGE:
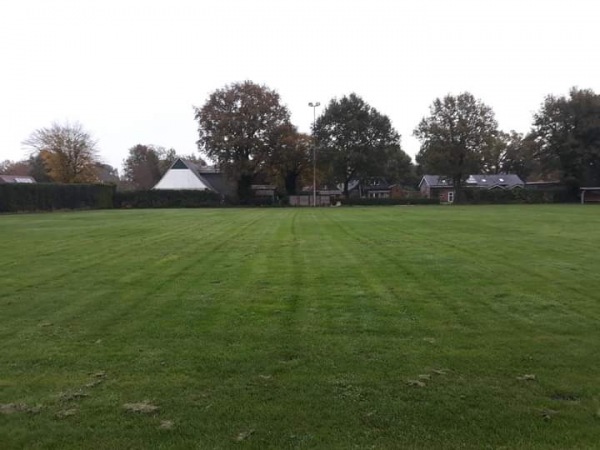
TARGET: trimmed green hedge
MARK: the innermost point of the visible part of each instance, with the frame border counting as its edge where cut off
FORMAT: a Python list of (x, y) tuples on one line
[(49, 196), (169, 199), (389, 201), (499, 196)]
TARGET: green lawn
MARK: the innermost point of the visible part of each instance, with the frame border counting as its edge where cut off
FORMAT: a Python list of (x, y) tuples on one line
[(382, 327)]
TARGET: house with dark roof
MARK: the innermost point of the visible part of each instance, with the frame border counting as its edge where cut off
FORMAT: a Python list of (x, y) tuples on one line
[(436, 186), (374, 187), (187, 175), (21, 179)]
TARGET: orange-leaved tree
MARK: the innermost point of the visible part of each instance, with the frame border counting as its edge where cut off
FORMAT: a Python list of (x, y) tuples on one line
[(68, 151)]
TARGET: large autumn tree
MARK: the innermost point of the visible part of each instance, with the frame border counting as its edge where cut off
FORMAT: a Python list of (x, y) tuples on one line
[(567, 133), (67, 150), (236, 128), (142, 166), (455, 137), (355, 141), (289, 162), (510, 153)]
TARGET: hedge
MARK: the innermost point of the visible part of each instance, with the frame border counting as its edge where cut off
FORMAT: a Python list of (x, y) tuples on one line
[(50, 196), (169, 199), (389, 201), (501, 196)]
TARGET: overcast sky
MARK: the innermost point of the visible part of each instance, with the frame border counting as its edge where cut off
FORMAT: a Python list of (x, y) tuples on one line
[(130, 71)]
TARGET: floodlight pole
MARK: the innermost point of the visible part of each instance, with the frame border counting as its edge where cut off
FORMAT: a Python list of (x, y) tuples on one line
[(314, 107)]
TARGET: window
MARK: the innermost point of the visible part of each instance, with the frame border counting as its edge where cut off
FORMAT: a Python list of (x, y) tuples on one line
[(451, 197)]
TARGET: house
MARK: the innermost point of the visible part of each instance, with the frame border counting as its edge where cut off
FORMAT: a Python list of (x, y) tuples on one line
[(10, 179), (399, 191), (187, 175), (432, 186), (374, 187)]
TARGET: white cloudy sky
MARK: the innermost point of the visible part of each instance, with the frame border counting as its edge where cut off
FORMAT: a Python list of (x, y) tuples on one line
[(130, 70)]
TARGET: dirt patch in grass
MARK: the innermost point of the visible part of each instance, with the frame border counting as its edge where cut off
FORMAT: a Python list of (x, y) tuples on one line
[(548, 414), (527, 377), (142, 407), (565, 397), (166, 425), (243, 435), (93, 383), (65, 413), (11, 408), (71, 396)]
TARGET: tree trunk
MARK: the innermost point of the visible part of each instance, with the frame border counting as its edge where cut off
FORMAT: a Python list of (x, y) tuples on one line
[(291, 182), (458, 189), (244, 188)]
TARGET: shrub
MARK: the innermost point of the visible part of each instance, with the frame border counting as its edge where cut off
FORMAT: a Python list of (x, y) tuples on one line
[(501, 196)]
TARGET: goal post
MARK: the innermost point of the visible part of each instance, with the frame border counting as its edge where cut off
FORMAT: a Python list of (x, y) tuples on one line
[(589, 194)]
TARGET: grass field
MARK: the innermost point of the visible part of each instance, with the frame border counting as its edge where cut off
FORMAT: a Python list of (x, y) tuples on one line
[(399, 327)]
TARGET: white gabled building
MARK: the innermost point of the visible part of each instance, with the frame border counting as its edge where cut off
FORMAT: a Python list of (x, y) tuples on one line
[(186, 175), (183, 175)]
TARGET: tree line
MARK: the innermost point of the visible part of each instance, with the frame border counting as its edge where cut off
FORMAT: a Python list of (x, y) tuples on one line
[(246, 129)]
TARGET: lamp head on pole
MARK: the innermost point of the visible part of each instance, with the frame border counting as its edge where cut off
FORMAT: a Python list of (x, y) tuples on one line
[(314, 105)]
